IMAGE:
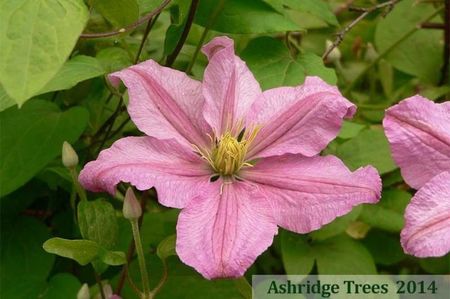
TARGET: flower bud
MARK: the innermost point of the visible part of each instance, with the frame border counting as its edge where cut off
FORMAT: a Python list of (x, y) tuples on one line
[(371, 54), (69, 156), (335, 54), (83, 293), (131, 206)]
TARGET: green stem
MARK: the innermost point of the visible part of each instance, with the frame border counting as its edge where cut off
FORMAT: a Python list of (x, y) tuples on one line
[(388, 50), (78, 188), (244, 287), (141, 258), (211, 22), (162, 281)]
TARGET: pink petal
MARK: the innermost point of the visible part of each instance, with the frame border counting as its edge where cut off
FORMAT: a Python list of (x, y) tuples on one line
[(229, 87), (221, 233), (418, 131), (146, 162), (298, 120), (164, 103), (307, 193), (427, 219)]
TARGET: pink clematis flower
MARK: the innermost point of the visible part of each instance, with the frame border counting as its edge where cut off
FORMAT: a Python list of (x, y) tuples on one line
[(418, 131), (238, 161)]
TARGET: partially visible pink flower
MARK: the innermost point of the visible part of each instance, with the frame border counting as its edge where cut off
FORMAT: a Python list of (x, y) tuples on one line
[(418, 131), (238, 161)]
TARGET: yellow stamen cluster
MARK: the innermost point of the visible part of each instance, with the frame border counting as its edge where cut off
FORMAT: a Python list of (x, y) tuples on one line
[(228, 154)]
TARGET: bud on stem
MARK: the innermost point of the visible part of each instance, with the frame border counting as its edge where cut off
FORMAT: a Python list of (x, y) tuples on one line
[(69, 156), (131, 206), (83, 293)]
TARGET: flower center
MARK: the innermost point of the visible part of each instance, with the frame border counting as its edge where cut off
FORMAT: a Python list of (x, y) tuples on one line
[(229, 155)]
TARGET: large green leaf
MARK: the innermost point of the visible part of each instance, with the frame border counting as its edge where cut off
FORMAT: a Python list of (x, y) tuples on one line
[(82, 251), (5, 100), (75, 70), (238, 16), (388, 213), (421, 53), (337, 255), (98, 222), (368, 147), (37, 37), (298, 256), (318, 8), (118, 12), (33, 136), (273, 66), (62, 285), (24, 266), (391, 252)]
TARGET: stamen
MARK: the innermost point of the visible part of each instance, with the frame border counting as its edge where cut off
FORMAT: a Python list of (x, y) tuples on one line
[(227, 154)]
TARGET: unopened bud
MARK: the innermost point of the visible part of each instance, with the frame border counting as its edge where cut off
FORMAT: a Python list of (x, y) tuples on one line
[(69, 156), (131, 207), (371, 54), (83, 293), (335, 54)]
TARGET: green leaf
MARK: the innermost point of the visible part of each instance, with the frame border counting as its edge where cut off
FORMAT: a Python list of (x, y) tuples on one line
[(436, 265), (337, 255), (350, 129), (338, 226), (5, 100), (298, 256), (370, 147), (273, 66), (32, 137), (113, 59), (77, 69), (82, 251), (98, 222), (388, 213), (421, 61), (37, 37), (62, 285), (391, 252), (167, 247), (239, 16), (178, 16), (317, 8), (24, 266), (158, 226), (113, 258), (118, 12)]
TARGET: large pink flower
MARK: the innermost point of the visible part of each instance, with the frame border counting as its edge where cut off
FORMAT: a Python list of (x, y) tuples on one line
[(418, 131), (237, 160)]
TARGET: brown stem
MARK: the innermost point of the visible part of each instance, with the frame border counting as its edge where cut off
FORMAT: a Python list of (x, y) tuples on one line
[(130, 26), (149, 27), (430, 25), (364, 13), (190, 19), (445, 66)]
